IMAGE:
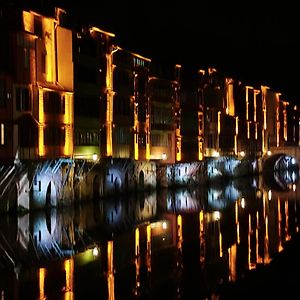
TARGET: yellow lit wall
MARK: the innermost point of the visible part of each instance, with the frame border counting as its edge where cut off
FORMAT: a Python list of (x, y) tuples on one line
[(64, 58), (230, 109), (109, 105), (68, 120), (49, 40), (28, 21), (41, 147)]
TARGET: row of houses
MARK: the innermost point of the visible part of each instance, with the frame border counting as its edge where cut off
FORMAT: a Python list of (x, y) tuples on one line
[(75, 93)]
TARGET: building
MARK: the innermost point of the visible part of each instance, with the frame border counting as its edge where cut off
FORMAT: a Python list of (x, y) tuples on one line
[(37, 86), (163, 91)]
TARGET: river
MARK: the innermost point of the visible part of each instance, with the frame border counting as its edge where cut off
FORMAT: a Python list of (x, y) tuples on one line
[(167, 244)]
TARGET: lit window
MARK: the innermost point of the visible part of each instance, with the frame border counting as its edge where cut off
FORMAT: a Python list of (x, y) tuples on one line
[(2, 140)]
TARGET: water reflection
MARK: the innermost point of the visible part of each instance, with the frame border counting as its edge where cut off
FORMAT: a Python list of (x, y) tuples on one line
[(172, 244)]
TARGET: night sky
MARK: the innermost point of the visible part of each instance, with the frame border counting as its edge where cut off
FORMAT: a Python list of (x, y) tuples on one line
[(253, 42)]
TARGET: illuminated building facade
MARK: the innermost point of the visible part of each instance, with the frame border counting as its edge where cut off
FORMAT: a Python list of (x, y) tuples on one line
[(192, 118), (92, 68), (131, 131), (165, 136), (38, 60), (114, 103)]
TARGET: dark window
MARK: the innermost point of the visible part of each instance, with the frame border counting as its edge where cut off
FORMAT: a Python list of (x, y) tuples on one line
[(44, 62), (23, 102), (26, 58), (54, 103), (2, 93), (54, 136), (38, 26)]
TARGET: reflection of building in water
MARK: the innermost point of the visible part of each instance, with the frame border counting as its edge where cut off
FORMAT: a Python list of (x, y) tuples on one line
[(125, 254)]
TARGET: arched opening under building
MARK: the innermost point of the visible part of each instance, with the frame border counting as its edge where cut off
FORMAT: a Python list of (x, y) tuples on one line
[(11, 197), (280, 171), (51, 200), (117, 184), (141, 180), (96, 188), (126, 182)]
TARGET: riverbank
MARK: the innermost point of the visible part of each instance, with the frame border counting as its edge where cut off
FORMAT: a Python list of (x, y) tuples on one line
[(278, 280)]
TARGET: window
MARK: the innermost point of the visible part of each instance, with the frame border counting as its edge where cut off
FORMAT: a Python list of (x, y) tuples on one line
[(160, 140), (2, 134), (44, 63), (26, 58), (54, 103), (2, 94), (87, 138), (122, 136), (23, 102), (138, 62), (54, 136)]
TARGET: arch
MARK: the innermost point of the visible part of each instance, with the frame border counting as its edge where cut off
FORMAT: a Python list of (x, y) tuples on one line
[(11, 197), (50, 219), (280, 170), (126, 181), (96, 188), (51, 199), (117, 184), (141, 182)]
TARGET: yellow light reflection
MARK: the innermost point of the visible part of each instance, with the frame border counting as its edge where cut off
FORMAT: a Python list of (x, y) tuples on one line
[(280, 248), (137, 261), (42, 275), (219, 122), (110, 270), (148, 257), (202, 236), (69, 270), (232, 262), (267, 257), (258, 258), (286, 208), (179, 231), (220, 244), (250, 264)]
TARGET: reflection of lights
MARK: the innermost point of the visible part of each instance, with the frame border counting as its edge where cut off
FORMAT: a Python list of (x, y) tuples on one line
[(42, 273), (294, 187), (164, 225), (243, 203), (293, 161), (95, 252), (215, 154), (269, 153), (95, 156), (216, 215), (270, 195), (242, 153), (258, 193), (163, 156)]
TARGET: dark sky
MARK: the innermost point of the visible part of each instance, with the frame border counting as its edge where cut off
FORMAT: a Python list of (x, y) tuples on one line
[(254, 42)]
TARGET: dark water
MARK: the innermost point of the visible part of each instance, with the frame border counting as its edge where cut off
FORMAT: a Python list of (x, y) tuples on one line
[(180, 244)]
